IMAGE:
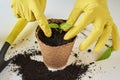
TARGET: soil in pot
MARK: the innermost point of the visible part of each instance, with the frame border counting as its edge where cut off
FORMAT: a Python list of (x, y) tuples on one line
[(55, 50), (57, 37)]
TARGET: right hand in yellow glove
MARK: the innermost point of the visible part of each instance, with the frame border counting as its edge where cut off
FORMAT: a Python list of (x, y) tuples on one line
[(96, 12), (32, 10)]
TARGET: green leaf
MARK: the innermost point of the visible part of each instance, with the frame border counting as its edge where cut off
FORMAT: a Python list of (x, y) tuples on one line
[(65, 25), (106, 54), (53, 25)]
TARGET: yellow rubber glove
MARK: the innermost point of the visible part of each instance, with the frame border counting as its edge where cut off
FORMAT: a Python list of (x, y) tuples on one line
[(97, 13), (32, 10)]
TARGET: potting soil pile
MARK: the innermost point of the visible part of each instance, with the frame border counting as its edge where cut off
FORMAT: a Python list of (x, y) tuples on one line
[(30, 69)]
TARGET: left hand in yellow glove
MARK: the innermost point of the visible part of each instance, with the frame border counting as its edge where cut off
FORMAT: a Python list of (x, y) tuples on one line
[(32, 10), (96, 12)]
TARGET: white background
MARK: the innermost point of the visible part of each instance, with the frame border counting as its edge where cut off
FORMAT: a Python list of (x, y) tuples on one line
[(61, 9)]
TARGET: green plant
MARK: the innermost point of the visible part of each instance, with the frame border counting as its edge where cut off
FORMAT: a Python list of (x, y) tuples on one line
[(57, 27)]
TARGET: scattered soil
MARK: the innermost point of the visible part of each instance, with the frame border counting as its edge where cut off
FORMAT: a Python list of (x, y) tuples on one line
[(57, 37), (35, 70), (89, 50)]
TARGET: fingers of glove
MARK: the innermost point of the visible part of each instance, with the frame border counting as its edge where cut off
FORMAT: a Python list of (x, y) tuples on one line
[(73, 17), (37, 8), (45, 28), (103, 38), (20, 11), (40, 17), (90, 39), (115, 37), (30, 15), (43, 4), (15, 9), (84, 21), (25, 12), (94, 35)]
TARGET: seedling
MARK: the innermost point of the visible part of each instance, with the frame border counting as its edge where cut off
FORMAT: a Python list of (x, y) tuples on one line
[(58, 27), (55, 49)]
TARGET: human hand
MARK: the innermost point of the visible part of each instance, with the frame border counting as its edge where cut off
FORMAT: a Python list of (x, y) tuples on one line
[(97, 13), (32, 10)]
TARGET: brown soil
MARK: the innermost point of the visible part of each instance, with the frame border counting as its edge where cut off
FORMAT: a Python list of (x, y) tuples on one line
[(57, 38), (35, 70)]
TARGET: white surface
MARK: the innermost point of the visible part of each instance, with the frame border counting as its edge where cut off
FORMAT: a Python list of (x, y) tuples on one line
[(110, 68)]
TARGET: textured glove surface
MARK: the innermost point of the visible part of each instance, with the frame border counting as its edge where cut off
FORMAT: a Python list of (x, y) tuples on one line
[(32, 10), (97, 13)]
